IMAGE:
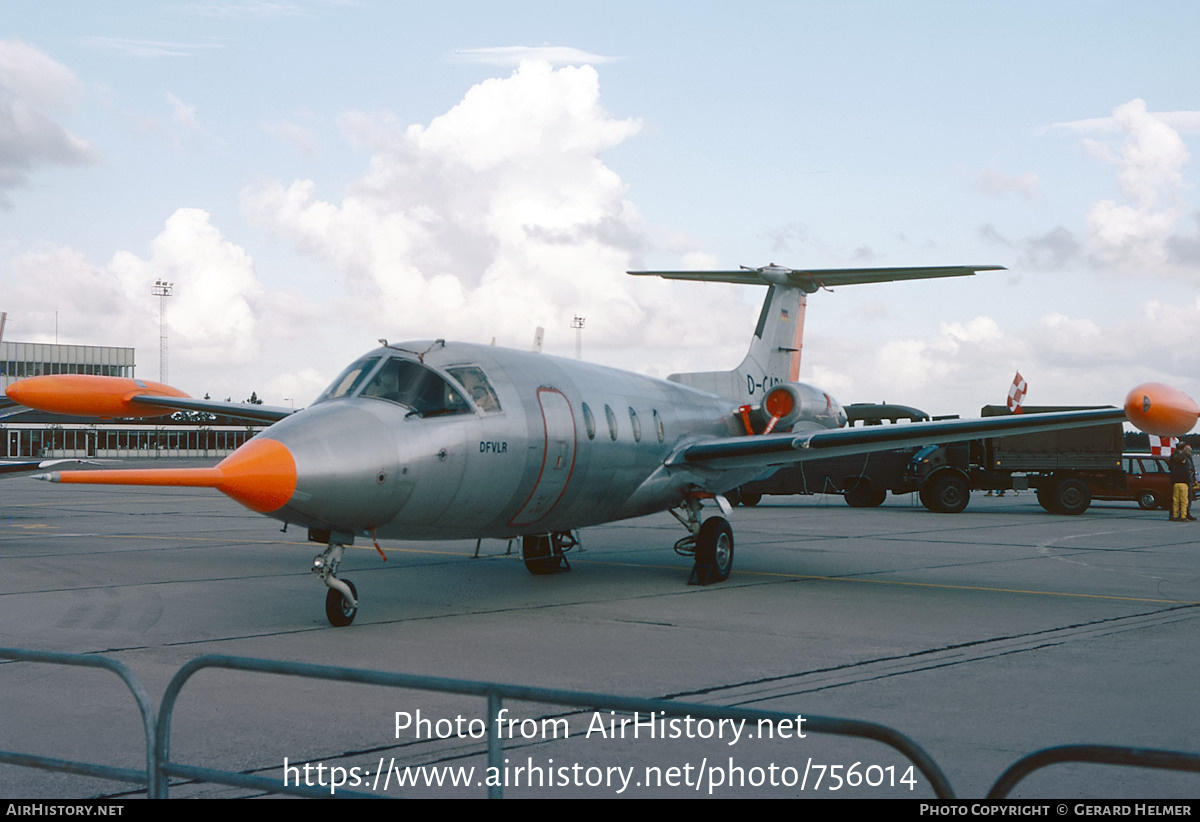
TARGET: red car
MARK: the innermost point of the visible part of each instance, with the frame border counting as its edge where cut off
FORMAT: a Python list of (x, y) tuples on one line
[(1147, 481)]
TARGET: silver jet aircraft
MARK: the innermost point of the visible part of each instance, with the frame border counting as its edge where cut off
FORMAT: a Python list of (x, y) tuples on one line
[(445, 440)]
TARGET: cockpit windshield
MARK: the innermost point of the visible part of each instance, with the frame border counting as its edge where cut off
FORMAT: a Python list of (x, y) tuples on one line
[(476, 382), (416, 387), (350, 379)]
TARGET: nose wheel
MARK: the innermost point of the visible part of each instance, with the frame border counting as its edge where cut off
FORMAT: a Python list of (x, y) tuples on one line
[(341, 601), (337, 609)]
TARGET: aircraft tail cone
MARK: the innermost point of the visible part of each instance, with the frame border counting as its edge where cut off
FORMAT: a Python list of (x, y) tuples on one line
[(1160, 409), (260, 475)]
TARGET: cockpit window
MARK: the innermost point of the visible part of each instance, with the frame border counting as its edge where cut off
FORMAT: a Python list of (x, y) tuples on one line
[(476, 382), (349, 380), (415, 386)]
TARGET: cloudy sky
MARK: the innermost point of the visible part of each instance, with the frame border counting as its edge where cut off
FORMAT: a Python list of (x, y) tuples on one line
[(315, 175)]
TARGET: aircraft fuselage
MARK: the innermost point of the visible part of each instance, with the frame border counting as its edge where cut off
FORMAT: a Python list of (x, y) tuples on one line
[(562, 444)]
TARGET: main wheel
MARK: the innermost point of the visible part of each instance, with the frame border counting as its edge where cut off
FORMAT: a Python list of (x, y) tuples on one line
[(860, 494), (1070, 497), (337, 610), (714, 547), (1148, 501), (537, 550), (946, 494), (751, 499)]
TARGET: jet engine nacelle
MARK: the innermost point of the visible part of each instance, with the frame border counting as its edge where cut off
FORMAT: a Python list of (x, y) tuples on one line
[(788, 404)]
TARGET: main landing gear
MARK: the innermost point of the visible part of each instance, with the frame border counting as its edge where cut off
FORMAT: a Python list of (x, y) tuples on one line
[(710, 543), (546, 553), (341, 601)]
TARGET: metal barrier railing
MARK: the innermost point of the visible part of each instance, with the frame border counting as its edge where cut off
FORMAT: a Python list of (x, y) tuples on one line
[(1095, 754), (160, 767), (495, 693), (145, 778)]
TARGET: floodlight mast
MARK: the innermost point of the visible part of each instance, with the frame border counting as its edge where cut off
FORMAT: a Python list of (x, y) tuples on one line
[(162, 290), (577, 323)]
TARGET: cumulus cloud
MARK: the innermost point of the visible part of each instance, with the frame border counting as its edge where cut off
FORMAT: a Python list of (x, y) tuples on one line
[(495, 217), (33, 88), (1067, 359), (212, 314), (1138, 236)]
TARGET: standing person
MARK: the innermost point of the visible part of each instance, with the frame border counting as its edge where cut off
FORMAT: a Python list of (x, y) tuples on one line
[(1191, 468), (1182, 479)]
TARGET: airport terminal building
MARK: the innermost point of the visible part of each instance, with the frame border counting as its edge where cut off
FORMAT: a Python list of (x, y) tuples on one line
[(34, 434)]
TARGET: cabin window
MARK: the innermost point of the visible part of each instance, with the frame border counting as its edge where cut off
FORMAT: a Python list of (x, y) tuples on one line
[(349, 380), (589, 422), (658, 426), (635, 424), (612, 422), (416, 387), (477, 385)]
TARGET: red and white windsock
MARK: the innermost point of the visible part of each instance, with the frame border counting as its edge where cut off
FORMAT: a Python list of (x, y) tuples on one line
[(1016, 393)]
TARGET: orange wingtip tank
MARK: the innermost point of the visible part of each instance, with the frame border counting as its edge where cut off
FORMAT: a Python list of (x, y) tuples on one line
[(89, 395), (1160, 409)]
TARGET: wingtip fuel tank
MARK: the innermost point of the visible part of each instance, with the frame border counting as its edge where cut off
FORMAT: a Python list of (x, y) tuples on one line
[(1160, 409), (90, 395)]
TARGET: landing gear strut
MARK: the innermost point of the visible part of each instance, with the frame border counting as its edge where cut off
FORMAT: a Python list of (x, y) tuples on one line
[(710, 543), (546, 553), (341, 601)]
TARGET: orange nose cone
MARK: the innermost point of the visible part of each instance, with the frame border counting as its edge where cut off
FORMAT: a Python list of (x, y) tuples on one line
[(1160, 409), (261, 475)]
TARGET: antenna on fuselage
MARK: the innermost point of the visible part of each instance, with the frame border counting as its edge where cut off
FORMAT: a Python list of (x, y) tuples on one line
[(538, 334)]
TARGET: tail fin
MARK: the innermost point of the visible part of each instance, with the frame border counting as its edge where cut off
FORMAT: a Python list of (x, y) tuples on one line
[(774, 354), (775, 349)]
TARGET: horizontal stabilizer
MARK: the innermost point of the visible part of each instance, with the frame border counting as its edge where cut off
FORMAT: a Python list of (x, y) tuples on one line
[(811, 280)]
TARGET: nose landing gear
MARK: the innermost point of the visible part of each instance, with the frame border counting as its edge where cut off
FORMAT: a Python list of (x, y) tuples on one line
[(341, 601)]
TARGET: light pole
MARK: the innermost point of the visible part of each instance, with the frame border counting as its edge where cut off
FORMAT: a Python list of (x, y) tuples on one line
[(162, 290), (577, 324)]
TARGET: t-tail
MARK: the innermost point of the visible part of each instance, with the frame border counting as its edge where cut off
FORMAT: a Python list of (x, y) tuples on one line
[(778, 341)]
